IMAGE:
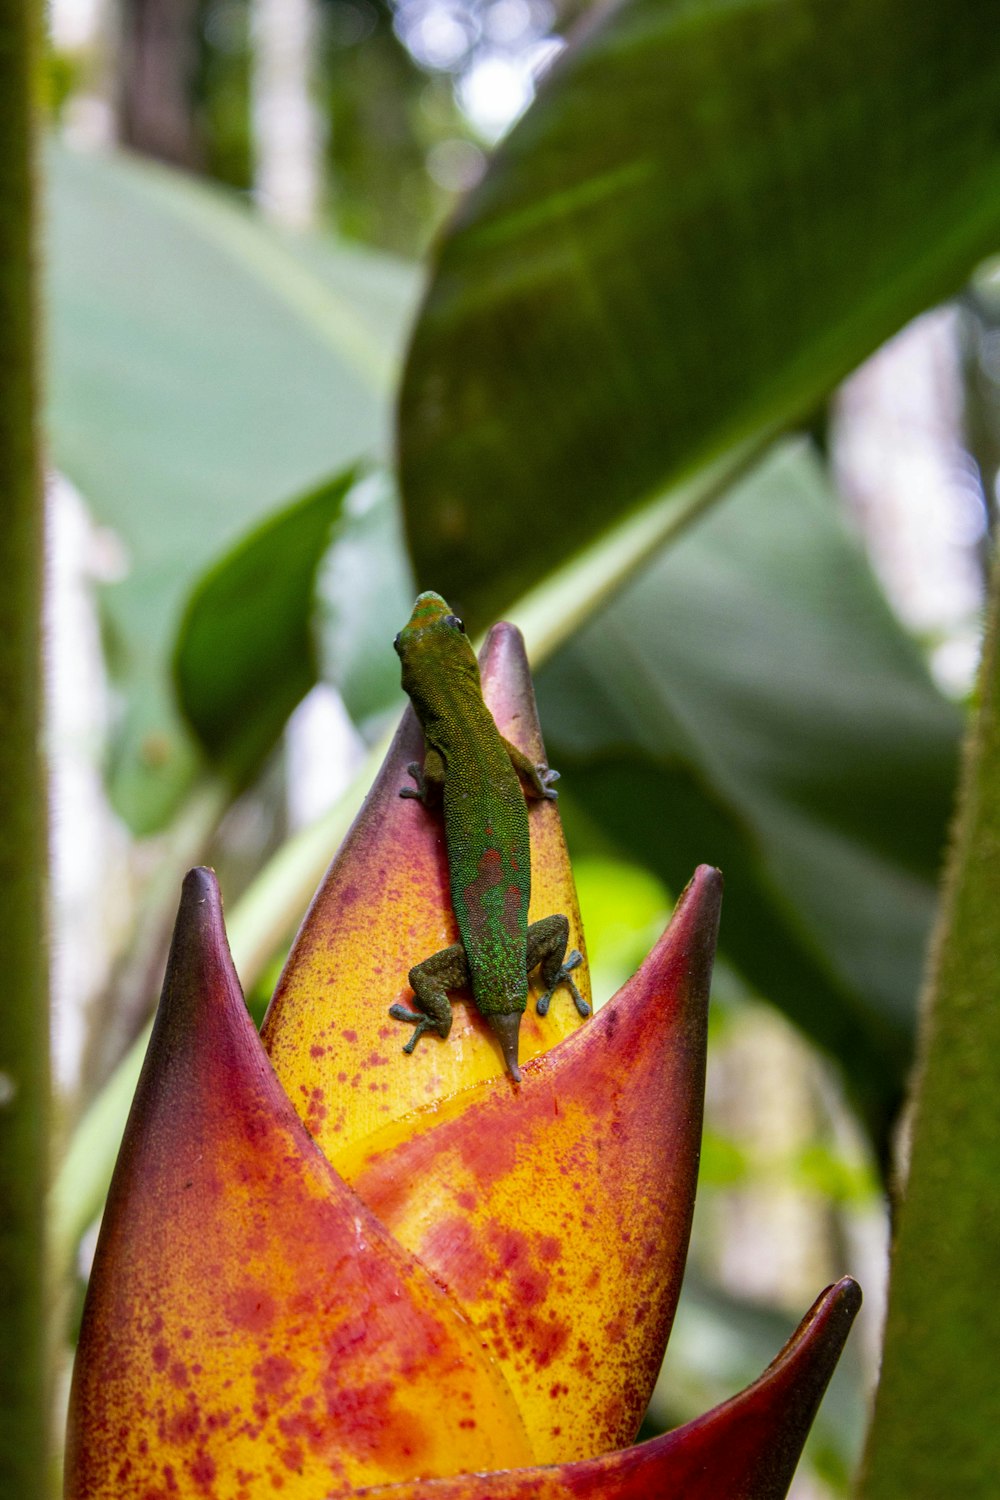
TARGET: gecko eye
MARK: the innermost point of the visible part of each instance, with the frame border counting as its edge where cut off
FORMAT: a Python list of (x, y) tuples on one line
[(455, 621)]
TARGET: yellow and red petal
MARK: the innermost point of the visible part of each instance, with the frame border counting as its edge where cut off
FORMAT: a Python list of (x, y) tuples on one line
[(250, 1327), (558, 1211), (746, 1449), (383, 907)]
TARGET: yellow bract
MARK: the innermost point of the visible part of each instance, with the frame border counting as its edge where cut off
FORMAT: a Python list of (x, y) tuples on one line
[(384, 907)]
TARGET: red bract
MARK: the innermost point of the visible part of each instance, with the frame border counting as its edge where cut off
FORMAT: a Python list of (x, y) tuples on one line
[(481, 1282)]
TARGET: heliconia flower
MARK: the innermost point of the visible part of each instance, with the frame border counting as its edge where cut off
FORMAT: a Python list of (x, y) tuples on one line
[(329, 1268)]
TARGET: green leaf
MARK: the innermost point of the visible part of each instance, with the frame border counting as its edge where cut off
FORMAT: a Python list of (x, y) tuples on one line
[(935, 1431), (750, 701), (203, 367), (709, 215), (245, 652)]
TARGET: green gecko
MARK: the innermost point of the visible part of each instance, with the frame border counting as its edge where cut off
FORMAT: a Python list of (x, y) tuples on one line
[(478, 774)]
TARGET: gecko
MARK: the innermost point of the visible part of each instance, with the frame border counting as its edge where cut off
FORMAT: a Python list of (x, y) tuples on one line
[(477, 775)]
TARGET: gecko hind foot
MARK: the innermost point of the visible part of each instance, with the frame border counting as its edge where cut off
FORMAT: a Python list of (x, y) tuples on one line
[(419, 1022), (563, 977)]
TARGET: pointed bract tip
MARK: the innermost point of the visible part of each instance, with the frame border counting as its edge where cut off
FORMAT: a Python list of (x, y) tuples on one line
[(503, 637), (199, 926), (199, 950), (199, 885), (840, 1302), (697, 912), (507, 1028), (707, 881)]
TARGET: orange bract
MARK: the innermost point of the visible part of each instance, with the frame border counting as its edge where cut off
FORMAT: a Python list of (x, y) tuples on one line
[(250, 1325), (558, 1212)]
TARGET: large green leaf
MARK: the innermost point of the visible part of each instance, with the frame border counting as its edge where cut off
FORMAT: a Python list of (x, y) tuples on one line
[(246, 651), (203, 368), (750, 701), (711, 212)]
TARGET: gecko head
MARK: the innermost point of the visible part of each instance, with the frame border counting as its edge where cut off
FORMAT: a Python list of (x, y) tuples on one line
[(507, 1027), (430, 616), (433, 647)]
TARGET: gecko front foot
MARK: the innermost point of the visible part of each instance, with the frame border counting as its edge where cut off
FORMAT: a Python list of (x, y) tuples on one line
[(418, 1021), (562, 976), (418, 792)]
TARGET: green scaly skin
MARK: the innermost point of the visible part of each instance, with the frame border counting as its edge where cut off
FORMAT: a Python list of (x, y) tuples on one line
[(476, 772)]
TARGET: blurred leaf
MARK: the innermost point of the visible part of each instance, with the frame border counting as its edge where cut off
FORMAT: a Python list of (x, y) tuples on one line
[(365, 594), (245, 652), (710, 214), (624, 909), (750, 701), (203, 367)]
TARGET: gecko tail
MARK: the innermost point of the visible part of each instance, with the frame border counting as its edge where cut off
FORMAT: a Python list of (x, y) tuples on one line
[(507, 1028)]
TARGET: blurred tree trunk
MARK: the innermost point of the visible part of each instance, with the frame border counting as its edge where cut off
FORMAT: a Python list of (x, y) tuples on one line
[(24, 1085), (158, 67), (287, 132)]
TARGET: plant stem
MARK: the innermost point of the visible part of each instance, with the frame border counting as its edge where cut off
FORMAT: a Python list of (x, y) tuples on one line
[(24, 1087), (936, 1429)]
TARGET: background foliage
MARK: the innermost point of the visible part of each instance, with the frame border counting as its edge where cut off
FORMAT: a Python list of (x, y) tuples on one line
[(707, 217)]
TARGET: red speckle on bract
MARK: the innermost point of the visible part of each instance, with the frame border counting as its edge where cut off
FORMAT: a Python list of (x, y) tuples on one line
[(543, 1340), (161, 1356), (368, 1424), (303, 1426), (453, 1242), (272, 1375), (292, 1458), (251, 1308), (349, 1036), (548, 1247), (317, 1050), (486, 1154), (184, 1424), (202, 1470), (614, 1331)]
